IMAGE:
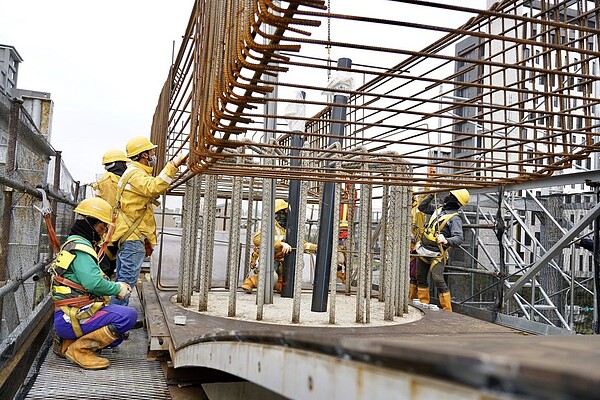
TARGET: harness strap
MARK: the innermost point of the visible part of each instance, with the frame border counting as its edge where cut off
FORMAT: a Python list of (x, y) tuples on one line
[(72, 313), (433, 261), (83, 248), (132, 225), (79, 314), (70, 283), (435, 225), (120, 188), (441, 219), (76, 302)]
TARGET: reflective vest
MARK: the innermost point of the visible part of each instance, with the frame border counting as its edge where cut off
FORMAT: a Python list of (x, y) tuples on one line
[(70, 297), (436, 223)]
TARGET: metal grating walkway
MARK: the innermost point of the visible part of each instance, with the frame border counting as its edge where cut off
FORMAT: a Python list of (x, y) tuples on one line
[(130, 375)]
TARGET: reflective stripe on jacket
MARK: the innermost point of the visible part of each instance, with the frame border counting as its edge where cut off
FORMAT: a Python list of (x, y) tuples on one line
[(139, 191)]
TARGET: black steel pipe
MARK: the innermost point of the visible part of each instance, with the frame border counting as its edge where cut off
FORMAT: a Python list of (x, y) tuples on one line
[(324, 249)]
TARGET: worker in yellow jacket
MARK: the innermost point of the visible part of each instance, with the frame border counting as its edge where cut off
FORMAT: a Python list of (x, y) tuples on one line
[(115, 163), (137, 190), (281, 248)]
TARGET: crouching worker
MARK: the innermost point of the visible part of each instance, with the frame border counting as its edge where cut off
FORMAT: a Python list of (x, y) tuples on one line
[(281, 249), (84, 319)]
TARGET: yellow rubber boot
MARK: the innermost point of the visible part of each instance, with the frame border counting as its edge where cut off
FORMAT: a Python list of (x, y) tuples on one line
[(250, 283), (81, 351), (412, 292), (423, 294), (341, 276), (60, 345), (445, 301)]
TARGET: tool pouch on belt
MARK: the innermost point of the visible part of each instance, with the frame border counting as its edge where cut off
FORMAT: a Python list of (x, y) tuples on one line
[(425, 252)]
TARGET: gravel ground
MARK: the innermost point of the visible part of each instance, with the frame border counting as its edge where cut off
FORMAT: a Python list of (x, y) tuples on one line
[(280, 312)]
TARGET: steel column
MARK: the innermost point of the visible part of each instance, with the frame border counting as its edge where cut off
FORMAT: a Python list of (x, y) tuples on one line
[(338, 113)]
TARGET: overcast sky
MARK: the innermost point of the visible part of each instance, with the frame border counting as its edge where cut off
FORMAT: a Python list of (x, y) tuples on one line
[(104, 63)]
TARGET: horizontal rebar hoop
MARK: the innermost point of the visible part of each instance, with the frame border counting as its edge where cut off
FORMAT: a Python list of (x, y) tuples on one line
[(507, 95)]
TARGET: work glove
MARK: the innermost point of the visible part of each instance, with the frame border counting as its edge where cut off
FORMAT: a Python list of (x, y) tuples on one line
[(441, 239), (148, 248), (125, 290), (177, 161), (285, 248), (281, 249)]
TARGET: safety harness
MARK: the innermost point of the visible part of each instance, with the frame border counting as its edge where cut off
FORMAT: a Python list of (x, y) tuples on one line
[(133, 225), (70, 297), (434, 226)]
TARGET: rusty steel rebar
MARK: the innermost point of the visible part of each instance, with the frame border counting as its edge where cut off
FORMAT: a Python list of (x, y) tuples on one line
[(520, 105)]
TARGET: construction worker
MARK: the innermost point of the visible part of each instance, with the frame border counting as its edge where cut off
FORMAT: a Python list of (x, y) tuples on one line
[(442, 230), (137, 190), (83, 318), (281, 248), (418, 224), (115, 163), (342, 250)]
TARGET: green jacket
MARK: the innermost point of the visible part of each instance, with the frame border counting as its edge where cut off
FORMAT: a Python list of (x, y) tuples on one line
[(84, 270)]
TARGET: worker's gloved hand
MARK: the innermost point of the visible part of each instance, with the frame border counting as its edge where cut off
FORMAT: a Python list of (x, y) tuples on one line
[(285, 248), (148, 248), (177, 161), (125, 290), (441, 239)]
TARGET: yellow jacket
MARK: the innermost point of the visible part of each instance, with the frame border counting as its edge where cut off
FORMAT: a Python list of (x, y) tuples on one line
[(106, 187), (140, 190)]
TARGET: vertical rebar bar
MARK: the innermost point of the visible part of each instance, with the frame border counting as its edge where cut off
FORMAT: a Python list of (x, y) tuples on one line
[(334, 251), (208, 239), (189, 239), (233, 259), (266, 256), (302, 197), (249, 230)]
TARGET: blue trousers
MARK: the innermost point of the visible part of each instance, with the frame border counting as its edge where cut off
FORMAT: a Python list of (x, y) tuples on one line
[(122, 317), (129, 263)]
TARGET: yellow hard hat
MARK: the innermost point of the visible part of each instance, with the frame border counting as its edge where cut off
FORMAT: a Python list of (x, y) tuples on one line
[(280, 205), (462, 195), (114, 155), (138, 145), (95, 207)]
